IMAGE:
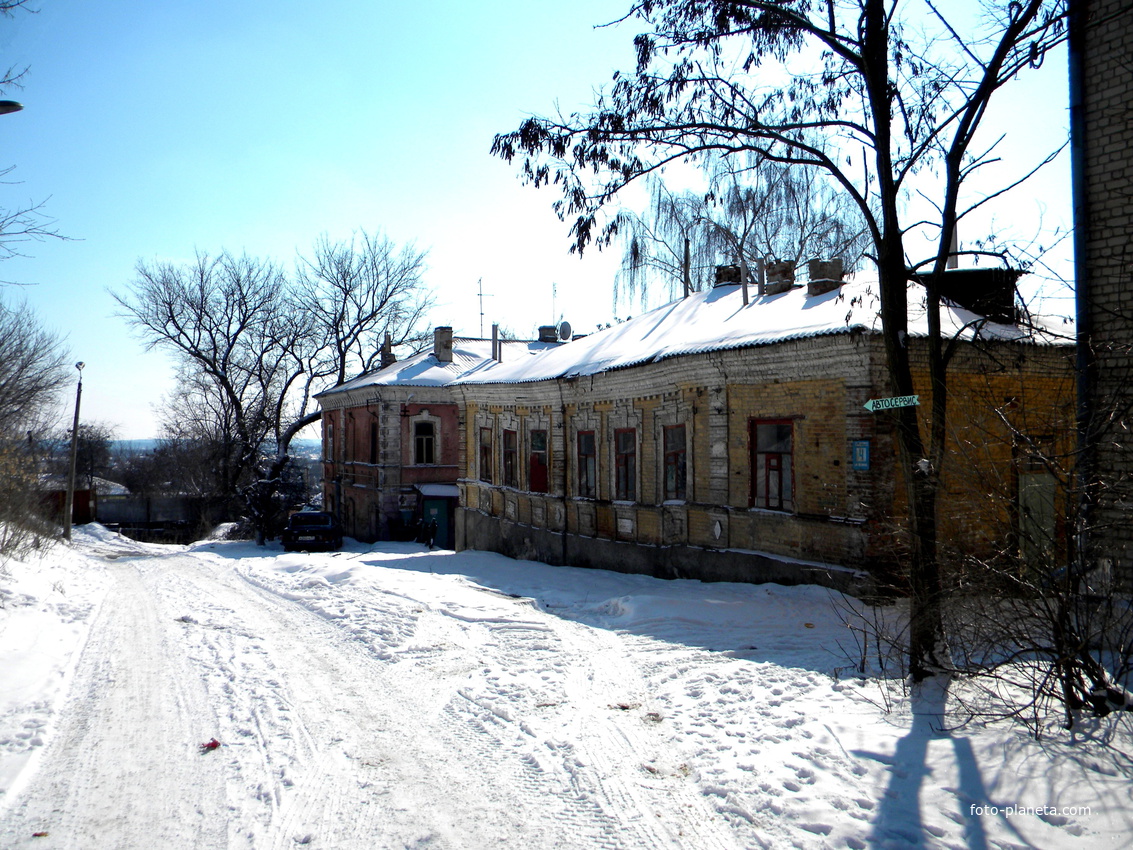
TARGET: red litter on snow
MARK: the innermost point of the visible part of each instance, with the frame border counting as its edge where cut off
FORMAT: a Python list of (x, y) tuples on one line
[(209, 746)]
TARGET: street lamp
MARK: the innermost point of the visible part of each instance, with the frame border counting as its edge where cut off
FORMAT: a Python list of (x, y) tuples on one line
[(68, 507), (7, 106)]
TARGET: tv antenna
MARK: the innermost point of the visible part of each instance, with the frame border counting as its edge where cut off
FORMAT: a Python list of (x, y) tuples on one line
[(480, 285)]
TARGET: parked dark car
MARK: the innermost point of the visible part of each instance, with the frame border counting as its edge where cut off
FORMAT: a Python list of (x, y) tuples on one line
[(312, 530)]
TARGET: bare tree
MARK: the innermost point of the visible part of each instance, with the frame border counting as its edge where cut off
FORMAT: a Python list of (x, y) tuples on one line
[(31, 370), (229, 321), (358, 291), (885, 97), (92, 452), (762, 211), (31, 375), (13, 74), (255, 343)]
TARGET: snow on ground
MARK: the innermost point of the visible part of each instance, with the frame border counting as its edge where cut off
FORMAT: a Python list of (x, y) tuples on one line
[(386, 697)]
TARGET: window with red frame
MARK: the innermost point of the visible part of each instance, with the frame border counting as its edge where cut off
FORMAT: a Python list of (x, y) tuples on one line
[(537, 467), (771, 464)]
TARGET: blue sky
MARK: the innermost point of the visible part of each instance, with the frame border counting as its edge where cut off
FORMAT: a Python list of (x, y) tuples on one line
[(156, 129)]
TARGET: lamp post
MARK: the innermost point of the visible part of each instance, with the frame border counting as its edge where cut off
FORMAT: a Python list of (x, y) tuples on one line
[(7, 106), (68, 507)]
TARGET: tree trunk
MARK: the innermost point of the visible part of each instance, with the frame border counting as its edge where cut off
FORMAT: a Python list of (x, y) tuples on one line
[(926, 624)]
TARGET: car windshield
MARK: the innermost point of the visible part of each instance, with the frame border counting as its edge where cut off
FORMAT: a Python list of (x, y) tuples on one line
[(310, 521)]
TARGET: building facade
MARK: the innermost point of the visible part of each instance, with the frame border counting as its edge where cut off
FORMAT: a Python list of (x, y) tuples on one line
[(721, 441), (391, 441)]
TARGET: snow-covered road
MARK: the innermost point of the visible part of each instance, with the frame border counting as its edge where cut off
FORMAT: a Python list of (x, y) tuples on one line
[(390, 697), (328, 741)]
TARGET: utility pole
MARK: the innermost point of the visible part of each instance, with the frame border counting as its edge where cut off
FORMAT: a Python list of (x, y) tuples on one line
[(69, 503)]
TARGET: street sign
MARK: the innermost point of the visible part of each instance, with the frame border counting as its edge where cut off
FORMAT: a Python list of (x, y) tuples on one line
[(876, 404), (860, 455)]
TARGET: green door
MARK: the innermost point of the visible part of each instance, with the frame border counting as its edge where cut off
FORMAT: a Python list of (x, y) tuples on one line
[(440, 510)]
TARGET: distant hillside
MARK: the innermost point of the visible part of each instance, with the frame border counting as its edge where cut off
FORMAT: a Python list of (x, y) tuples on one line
[(305, 448)]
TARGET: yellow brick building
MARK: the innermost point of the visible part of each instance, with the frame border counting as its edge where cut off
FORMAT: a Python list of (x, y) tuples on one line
[(720, 440)]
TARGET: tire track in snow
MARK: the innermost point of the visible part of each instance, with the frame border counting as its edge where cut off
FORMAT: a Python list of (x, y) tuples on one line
[(402, 761), (482, 656), (360, 718), (122, 769), (288, 686), (605, 792)]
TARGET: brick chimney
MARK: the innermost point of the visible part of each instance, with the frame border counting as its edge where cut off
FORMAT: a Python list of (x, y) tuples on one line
[(727, 275), (780, 277), (442, 344), (387, 358), (825, 276)]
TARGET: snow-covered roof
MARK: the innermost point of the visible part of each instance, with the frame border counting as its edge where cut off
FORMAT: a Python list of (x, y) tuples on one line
[(717, 319), (714, 320), (469, 356)]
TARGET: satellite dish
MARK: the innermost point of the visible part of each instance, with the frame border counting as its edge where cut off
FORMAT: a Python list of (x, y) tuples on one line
[(564, 331)]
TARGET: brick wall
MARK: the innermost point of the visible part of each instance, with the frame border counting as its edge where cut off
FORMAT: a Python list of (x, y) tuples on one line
[(372, 492), (840, 514), (1108, 108)]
